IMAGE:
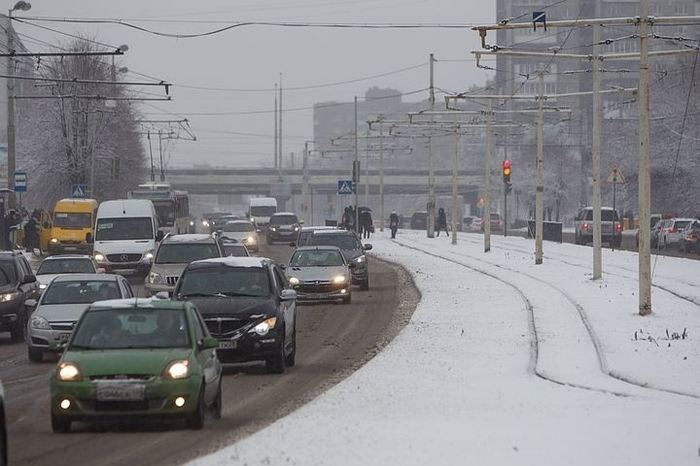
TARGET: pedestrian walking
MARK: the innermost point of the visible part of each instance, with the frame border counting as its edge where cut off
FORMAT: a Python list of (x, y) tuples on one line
[(365, 223), (31, 234), (441, 223), (393, 223)]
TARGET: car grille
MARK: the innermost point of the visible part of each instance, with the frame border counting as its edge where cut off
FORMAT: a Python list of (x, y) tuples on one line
[(122, 405), (171, 280), (317, 287), (62, 326), (226, 326), (123, 377), (69, 241), (124, 257)]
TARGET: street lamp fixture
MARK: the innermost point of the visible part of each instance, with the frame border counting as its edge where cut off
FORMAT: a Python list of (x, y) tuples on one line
[(21, 6)]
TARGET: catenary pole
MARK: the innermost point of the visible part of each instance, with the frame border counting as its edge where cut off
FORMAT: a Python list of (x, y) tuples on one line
[(644, 162), (430, 227), (597, 127), (455, 168), (539, 168), (486, 216), (381, 177), (356, 172), (276, 128)]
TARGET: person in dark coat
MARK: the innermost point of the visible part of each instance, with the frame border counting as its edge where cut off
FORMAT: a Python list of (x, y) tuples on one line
[(441, 223), (393, 223), (365, 223), (31, 234)]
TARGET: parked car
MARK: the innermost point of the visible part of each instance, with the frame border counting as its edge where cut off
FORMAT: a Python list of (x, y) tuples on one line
[(243, 232), (234, 248), (670, 231), (320, 273), (284, 226), (247, 305), (173, 254), (145, 357), (352, 248), (419, 221), (497, 223), (17, 285), (611, 228), (690, 237), (54, 266), (471, 223), (3, 429), (62, 305)]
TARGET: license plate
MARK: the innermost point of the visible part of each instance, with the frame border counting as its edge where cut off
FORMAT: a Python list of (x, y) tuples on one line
[(70, 248), (121, 392), (227, 344)]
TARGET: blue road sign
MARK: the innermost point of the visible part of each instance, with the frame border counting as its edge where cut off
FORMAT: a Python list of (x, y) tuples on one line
[(20, 182), (539, 17), (345, 187), (79, 190)]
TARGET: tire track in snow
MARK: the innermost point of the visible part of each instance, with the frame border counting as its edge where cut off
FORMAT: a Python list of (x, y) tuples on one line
[(582, 315)]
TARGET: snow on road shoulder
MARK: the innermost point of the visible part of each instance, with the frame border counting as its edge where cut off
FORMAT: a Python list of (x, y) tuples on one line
[(457, 385)]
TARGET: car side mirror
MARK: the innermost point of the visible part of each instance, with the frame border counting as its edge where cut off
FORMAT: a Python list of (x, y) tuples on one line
[(88, 238), (283, 266), (288, 295), (163, 295), (292, 245), (301, 222), (31, 303), (28, 279), (367, 247), (208, 343), (159, 236)]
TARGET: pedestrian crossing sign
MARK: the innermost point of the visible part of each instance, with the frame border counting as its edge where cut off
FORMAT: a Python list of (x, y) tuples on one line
[(79, 191), (345, 187)]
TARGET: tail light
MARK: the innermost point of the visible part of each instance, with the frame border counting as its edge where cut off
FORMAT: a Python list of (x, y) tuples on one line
[(618, 227), (585, 227)]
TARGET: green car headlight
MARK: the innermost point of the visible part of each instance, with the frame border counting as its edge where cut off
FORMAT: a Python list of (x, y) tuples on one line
[(69, 372), (178, 370)]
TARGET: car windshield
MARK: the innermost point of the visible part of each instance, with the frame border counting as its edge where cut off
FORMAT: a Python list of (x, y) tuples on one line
[(72, 220), (8, 274), (114, 229), (132, 329), (262, 210), (346, 242), (54, 266), (80, 292), (185, 253), (235, 250), (317, 258), (224, 280), (304, 238), (239, 227), (284, 220), (166, 212)]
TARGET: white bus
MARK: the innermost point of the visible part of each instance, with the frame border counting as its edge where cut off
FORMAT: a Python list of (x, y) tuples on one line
[(172, 206)]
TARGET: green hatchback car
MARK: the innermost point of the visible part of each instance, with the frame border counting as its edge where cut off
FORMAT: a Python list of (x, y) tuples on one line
[(137, 358)]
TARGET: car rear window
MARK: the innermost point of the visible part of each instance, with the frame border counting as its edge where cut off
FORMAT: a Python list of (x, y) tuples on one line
[(185, 253), (80, 292), (605, 215)]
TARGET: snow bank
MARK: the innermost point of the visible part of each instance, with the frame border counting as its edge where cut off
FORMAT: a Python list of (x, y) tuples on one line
[(505, 362)]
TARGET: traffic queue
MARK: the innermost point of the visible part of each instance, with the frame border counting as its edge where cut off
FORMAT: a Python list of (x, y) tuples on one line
[(208, 302)]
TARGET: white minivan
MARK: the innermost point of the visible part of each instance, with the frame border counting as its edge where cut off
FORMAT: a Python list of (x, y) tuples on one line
[(126, 234), (261, 209)]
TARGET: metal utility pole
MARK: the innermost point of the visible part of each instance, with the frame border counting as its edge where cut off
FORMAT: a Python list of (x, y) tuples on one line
[(644, 163), (597, 127), (539, 188), (305, 182), (279, 146), (367, 170), (381, 178), (431, 175), (160, 151), (11, 154), (455, 173), (276, 128), (486, 217), (150, 149), (356, 173)]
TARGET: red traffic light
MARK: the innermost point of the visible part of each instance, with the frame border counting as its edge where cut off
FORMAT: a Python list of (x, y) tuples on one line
[(506, 168)]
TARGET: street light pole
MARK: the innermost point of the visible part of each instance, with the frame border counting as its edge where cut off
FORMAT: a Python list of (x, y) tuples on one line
[(381, 177), (305, 182), (644, 162), (597, 126), (455, 167), (356, 173), (431, 175), (539, 188), (486, 216)]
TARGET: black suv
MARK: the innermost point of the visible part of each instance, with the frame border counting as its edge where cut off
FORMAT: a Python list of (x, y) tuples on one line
[(17, 284), (352, 248), (284, 226), (248, 305)]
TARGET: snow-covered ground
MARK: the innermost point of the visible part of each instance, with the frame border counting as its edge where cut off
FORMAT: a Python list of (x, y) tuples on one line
[(505, 362)]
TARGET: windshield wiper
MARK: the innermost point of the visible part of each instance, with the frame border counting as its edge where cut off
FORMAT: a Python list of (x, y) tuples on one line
[(204, 295), (233, 293)]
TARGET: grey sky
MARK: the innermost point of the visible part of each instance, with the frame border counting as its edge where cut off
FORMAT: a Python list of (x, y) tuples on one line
[(253, 57)]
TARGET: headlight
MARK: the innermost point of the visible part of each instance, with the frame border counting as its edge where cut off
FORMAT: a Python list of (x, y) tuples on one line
[(360, 260), (43, 286), (148, 256), (264, 327), (296, 228), (273, 228), (252, 219), (54, 241), (39, 322), (178, 370), (191, 223), (250, 239), (69, 372), (293, 281), (155, 278), (8, 297), (205, 223), (99, 257), (339, 279)]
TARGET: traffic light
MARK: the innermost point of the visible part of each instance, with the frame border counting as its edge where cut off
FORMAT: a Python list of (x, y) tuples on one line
[(507, 169)]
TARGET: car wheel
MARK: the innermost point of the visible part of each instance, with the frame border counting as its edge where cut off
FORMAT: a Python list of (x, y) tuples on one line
[(195, 421), (218, 405), (60, 425), (275, 364), (290, 360), (364, 286), (35, 355), (19, 327)]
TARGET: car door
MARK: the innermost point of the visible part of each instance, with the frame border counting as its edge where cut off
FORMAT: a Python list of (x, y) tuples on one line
[(126, 290), (287, 308), (206, 357), (29, 290)]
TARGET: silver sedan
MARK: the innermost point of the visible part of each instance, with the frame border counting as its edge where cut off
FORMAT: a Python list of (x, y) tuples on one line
[(320, 273)]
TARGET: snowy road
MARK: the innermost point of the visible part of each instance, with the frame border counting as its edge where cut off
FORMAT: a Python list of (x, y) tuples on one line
[(506, 362)]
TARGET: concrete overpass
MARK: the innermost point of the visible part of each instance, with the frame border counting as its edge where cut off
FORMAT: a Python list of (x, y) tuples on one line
[(268, 181)]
